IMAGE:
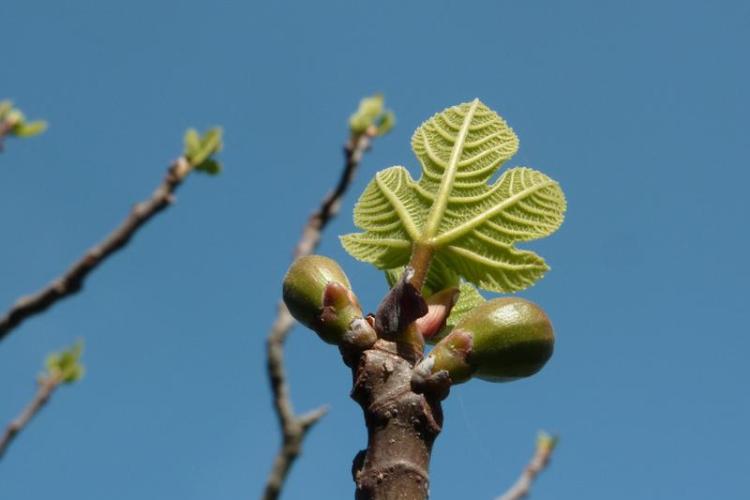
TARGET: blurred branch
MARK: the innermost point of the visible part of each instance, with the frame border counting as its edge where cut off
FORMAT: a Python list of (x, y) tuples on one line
[(63, 367), (368, 122), (545, 445), (73, 279)]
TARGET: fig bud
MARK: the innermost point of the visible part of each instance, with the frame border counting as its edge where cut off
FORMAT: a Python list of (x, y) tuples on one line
[(318, 294), (501, 340)]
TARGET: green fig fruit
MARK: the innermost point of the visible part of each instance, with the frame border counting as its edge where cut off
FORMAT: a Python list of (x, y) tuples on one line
[(318, 295), (500, 340)]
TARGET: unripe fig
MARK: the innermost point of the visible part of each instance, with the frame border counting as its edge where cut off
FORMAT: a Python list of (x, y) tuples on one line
[(318, 295), (510, 338)]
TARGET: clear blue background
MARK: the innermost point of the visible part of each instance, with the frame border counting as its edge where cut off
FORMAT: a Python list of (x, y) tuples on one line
[(638, 108)]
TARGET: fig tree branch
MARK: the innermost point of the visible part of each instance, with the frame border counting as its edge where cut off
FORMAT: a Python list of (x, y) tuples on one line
[(47, 385), (72, 280), (295, 427), (521, 489)]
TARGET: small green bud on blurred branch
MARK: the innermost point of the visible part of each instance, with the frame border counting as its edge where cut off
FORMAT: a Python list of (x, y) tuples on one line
[(62, 367), (13, 123), (372, 114), (546, 442), (65, 365), (200, 149)]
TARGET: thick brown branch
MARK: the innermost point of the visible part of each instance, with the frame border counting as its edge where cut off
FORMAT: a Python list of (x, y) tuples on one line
[(401, 426), (294, 428), (47, 386), (73, 279), (538, 463)]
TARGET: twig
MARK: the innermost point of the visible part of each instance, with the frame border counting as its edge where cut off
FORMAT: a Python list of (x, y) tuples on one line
[(331, 204), (521, 489), (47, 385), (294, 428), (73, 279)]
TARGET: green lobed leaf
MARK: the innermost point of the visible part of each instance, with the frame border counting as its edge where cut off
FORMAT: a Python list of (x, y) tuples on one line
[(470, 226)]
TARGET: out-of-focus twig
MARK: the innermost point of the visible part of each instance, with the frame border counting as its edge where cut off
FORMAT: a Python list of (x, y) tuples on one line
[(293, 427), (545, 445), (47, 386), (73, 279), (62, 368)]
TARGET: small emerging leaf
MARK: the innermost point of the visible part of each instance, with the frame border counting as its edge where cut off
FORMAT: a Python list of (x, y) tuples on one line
[(210, 167), (546, 442), (468, 226), (372, 113), (200, 149), (14, 122), (192, 142), (29, 129), (5, 107), (66, 364), (387, 122)]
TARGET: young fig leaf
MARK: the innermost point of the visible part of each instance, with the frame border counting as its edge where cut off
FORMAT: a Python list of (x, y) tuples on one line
[(451, 213)]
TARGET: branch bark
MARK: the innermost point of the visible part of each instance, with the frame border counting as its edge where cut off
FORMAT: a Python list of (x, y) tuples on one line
[(294, 428), (73, 279), (402, 424), (47, 386), (540, 460)]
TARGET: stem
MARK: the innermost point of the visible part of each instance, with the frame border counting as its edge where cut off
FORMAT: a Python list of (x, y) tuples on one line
[(401, 427), (421, 257), (73, 279), (294, 428), (47, 386), (540, 460)]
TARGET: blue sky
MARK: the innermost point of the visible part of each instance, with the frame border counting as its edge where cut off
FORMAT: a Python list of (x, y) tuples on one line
[(639, 109)]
